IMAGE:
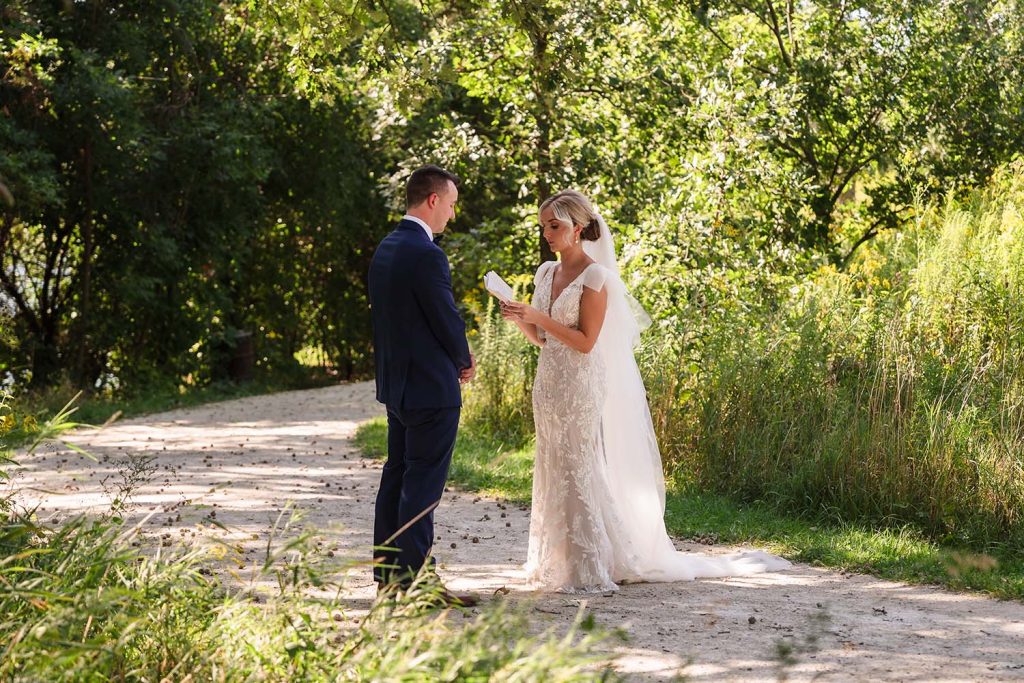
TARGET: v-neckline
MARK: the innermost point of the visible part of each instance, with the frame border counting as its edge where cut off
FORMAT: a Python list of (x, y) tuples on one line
[(551, 286)]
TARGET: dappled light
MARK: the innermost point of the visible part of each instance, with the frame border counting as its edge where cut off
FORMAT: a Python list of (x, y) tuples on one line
[(262, 470)]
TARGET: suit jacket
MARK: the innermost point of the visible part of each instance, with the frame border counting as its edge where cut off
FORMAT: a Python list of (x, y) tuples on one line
[(419, 338)]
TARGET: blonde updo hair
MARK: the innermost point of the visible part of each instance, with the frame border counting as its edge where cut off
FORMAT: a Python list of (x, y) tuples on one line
[(573, 208)]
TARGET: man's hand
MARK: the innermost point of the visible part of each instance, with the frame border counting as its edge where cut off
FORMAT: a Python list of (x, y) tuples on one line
[(468, 373)]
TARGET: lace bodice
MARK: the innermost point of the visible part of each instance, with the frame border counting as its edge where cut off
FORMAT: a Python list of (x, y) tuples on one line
[(566, 307)]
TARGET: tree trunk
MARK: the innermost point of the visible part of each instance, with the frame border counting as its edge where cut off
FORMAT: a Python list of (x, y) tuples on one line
[(45, 357), (543, 116), (82, 343)]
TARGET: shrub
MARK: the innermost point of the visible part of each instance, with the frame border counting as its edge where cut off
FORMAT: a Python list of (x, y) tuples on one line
[(891, 393)]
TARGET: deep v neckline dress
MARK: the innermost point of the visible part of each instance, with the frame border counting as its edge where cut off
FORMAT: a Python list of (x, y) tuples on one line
[(569, 547)]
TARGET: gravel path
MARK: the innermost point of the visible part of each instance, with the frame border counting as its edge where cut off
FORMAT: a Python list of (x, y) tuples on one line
[(242, 462)]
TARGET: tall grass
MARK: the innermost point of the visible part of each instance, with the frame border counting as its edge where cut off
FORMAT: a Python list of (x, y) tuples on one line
[(893, 393), (890, 394), (498, 401), (80, 603)]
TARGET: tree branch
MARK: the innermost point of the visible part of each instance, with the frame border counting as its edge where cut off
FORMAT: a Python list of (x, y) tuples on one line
[(876, 227), (61, 262), (838, 21), (19, 301), (847, 177), (17, 257), (485, 67), (858, 137), (730, 48), (776, 30), (5, 234), (798, 152), (789, 28)]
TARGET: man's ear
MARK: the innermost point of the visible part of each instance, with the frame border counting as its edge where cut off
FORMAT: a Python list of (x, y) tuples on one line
[(432, 199)]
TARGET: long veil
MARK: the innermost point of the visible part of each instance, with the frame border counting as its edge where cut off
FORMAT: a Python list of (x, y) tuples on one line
[(636, 483)]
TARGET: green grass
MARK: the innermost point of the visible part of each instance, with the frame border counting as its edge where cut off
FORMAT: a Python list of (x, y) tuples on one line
[(502, 470), (889, 393), (480, 463), (899, 554), (82, 604)]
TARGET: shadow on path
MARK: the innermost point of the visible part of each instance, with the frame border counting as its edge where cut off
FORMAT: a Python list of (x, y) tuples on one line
[(242, 464)]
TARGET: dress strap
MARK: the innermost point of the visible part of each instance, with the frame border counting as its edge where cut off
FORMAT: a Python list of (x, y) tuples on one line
[(594, 276)]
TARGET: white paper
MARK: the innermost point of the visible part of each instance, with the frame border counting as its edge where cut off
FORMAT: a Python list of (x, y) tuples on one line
[(498, 287)]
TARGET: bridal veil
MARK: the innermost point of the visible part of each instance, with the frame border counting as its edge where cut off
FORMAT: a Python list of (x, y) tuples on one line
[(636, 484)]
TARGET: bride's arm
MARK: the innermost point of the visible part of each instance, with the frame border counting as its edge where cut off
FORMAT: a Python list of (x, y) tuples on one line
[(528, 330), (593, 305)]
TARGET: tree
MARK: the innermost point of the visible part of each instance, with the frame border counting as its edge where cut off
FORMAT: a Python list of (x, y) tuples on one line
[(151, 148), (867, 99)]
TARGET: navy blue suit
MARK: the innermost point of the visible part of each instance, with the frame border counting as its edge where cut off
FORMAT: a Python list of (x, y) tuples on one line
[(420, 348)]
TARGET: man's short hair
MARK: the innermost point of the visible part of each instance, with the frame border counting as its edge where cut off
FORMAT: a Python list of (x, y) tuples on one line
[(425, 181)]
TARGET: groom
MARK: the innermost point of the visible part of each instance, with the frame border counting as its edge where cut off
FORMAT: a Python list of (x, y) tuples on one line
[(419, 340)]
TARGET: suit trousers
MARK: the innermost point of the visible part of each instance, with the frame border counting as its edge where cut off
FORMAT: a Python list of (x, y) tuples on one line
[(420, 446)]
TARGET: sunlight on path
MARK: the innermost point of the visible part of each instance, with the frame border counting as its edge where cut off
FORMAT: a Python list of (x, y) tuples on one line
[(226, 473)]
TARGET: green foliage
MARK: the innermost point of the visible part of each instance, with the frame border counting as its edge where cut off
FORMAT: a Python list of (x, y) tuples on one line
[(184, 172), (171, 189), (889, 394), (15, 426), (498, 401)]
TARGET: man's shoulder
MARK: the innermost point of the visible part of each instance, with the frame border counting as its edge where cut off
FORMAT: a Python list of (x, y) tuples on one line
[(407, 251), (406, 240)]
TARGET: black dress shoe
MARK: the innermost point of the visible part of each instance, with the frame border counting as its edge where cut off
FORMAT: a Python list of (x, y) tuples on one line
[(444, 596), (449, 599)]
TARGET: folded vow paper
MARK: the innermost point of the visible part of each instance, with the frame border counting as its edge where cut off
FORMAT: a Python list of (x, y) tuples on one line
[(498, 287)]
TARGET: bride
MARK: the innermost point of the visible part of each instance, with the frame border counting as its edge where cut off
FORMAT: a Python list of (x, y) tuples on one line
[(598, 488)]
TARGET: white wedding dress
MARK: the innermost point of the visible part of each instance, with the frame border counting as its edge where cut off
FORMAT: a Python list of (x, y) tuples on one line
[(598, 489)]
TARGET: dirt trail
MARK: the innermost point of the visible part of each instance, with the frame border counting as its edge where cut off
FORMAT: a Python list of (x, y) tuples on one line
[(240, 462)]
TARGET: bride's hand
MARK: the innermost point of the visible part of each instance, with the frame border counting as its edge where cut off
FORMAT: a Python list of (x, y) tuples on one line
[(506, 312), (514, 310)]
